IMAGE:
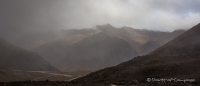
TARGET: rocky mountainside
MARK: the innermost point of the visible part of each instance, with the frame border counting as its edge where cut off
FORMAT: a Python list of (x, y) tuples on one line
[(15, 58), (179, 59)]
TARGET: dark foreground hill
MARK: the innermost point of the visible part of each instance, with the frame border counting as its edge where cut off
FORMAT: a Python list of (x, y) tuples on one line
[(178, 59), (14, 58)]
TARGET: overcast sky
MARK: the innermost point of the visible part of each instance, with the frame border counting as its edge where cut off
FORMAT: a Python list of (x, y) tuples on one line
[(163, 15)]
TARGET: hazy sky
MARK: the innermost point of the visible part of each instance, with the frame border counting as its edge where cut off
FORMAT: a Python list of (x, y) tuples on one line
[(164, 15)]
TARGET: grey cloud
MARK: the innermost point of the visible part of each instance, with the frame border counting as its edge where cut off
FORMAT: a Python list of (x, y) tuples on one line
[(36, 15), (178, 6)]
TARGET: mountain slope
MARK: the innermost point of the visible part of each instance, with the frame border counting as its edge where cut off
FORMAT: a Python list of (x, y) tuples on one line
[(14, 58), (148, 47), (186, 43), (92, 53), (179, 58)]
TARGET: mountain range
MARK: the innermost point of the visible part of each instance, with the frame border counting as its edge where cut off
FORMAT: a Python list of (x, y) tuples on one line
[(177, 59), (142, 54), (87, 49)]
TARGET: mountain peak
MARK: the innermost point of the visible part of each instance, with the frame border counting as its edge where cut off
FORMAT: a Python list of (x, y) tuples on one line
[(109, 25), (105, 26)]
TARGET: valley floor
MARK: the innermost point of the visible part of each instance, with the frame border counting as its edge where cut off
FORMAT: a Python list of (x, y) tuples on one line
[(19, 75)]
